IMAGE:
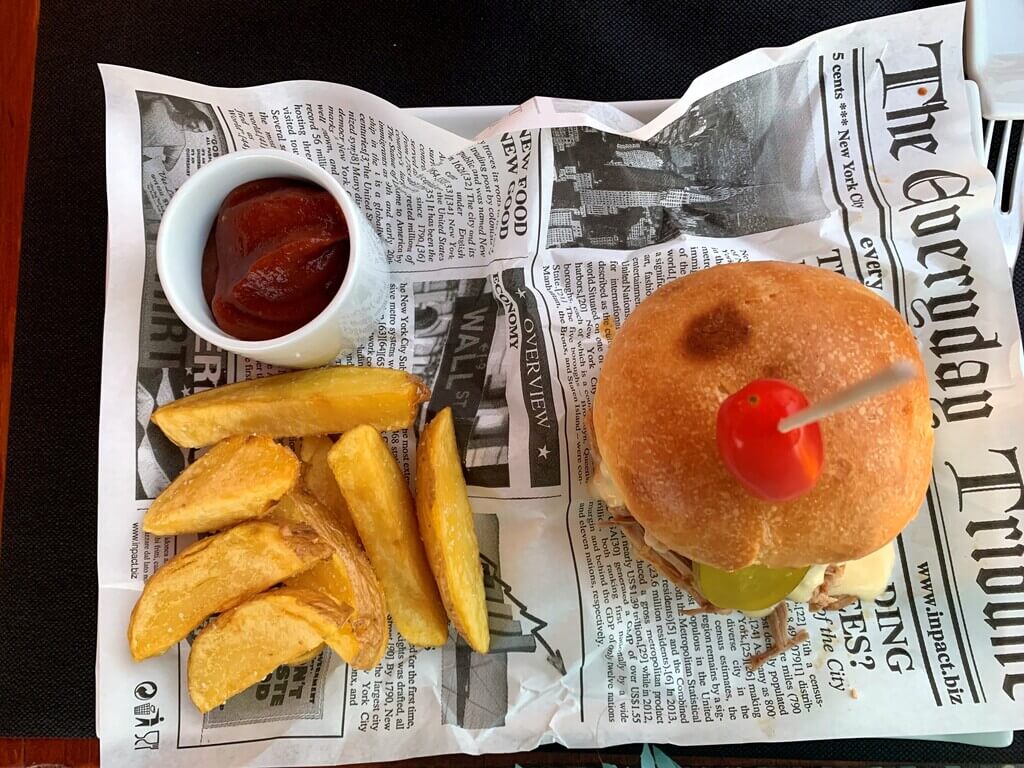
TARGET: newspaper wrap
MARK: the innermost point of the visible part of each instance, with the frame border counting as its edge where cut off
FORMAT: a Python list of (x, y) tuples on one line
[(511, 256)]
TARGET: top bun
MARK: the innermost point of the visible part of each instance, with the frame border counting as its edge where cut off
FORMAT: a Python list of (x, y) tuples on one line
[(700, 338)]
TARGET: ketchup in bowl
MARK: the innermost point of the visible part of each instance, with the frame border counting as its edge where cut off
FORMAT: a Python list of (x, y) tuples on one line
[(276, 256)]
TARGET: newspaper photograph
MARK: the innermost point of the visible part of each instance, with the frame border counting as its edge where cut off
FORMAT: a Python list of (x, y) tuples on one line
[(513, 256)]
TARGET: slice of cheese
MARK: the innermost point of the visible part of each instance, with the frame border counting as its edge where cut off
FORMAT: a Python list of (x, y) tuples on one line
[(868, 577), (603, 486), (813, 579)]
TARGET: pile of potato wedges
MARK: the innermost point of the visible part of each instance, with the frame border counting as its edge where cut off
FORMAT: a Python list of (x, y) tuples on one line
[(310, 547)]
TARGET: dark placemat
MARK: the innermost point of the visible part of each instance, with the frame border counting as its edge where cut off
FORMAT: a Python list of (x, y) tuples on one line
[(413, 55)]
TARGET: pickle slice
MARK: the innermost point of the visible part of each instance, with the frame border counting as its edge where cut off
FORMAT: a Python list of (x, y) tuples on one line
[(753, 588)]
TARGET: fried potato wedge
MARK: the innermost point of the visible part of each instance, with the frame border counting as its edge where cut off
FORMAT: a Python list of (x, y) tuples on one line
[(346, 577), (319, 480), (236, 480), (381, 505), (446, 526), (244, 645), (216, 573), (306, 657), (314, 402)]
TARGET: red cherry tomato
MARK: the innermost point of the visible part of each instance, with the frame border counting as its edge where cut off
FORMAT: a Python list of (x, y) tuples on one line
[(771, 465)]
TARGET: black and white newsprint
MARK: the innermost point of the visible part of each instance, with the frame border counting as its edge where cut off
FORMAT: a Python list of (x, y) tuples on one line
[(511, 255)]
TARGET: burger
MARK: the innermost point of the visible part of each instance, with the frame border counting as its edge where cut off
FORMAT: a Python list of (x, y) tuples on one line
[(660, 464)]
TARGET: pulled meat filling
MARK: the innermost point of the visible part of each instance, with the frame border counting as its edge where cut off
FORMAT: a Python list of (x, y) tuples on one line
[(779, 635), (822, 600), (679, 570)]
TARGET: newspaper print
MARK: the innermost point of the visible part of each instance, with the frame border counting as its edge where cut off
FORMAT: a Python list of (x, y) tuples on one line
[(469, 336), (513, 259), (733, 164)]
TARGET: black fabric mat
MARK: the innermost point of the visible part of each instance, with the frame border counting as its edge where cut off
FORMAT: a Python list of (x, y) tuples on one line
[(411, 54)]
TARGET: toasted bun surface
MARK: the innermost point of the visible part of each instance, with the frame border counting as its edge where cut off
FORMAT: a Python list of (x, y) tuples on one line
[(702, 337)]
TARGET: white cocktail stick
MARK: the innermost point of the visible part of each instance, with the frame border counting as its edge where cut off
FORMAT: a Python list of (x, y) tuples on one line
[(884, 380)]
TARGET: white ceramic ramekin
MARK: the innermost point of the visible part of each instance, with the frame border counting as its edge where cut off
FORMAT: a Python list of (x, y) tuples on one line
[(342, 326)]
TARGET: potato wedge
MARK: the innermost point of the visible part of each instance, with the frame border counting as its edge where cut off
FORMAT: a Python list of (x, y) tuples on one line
[(446, 526), (313, 402), (244, 645), (215, 573), (236, 480), (346, 577), (319, 480), (381, 505), (307, 657)]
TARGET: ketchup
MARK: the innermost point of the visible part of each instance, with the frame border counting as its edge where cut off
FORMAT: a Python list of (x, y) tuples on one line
[(275, 257)]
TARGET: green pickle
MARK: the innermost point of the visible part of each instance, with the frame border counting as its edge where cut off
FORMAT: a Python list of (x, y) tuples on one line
[(753, 588)]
